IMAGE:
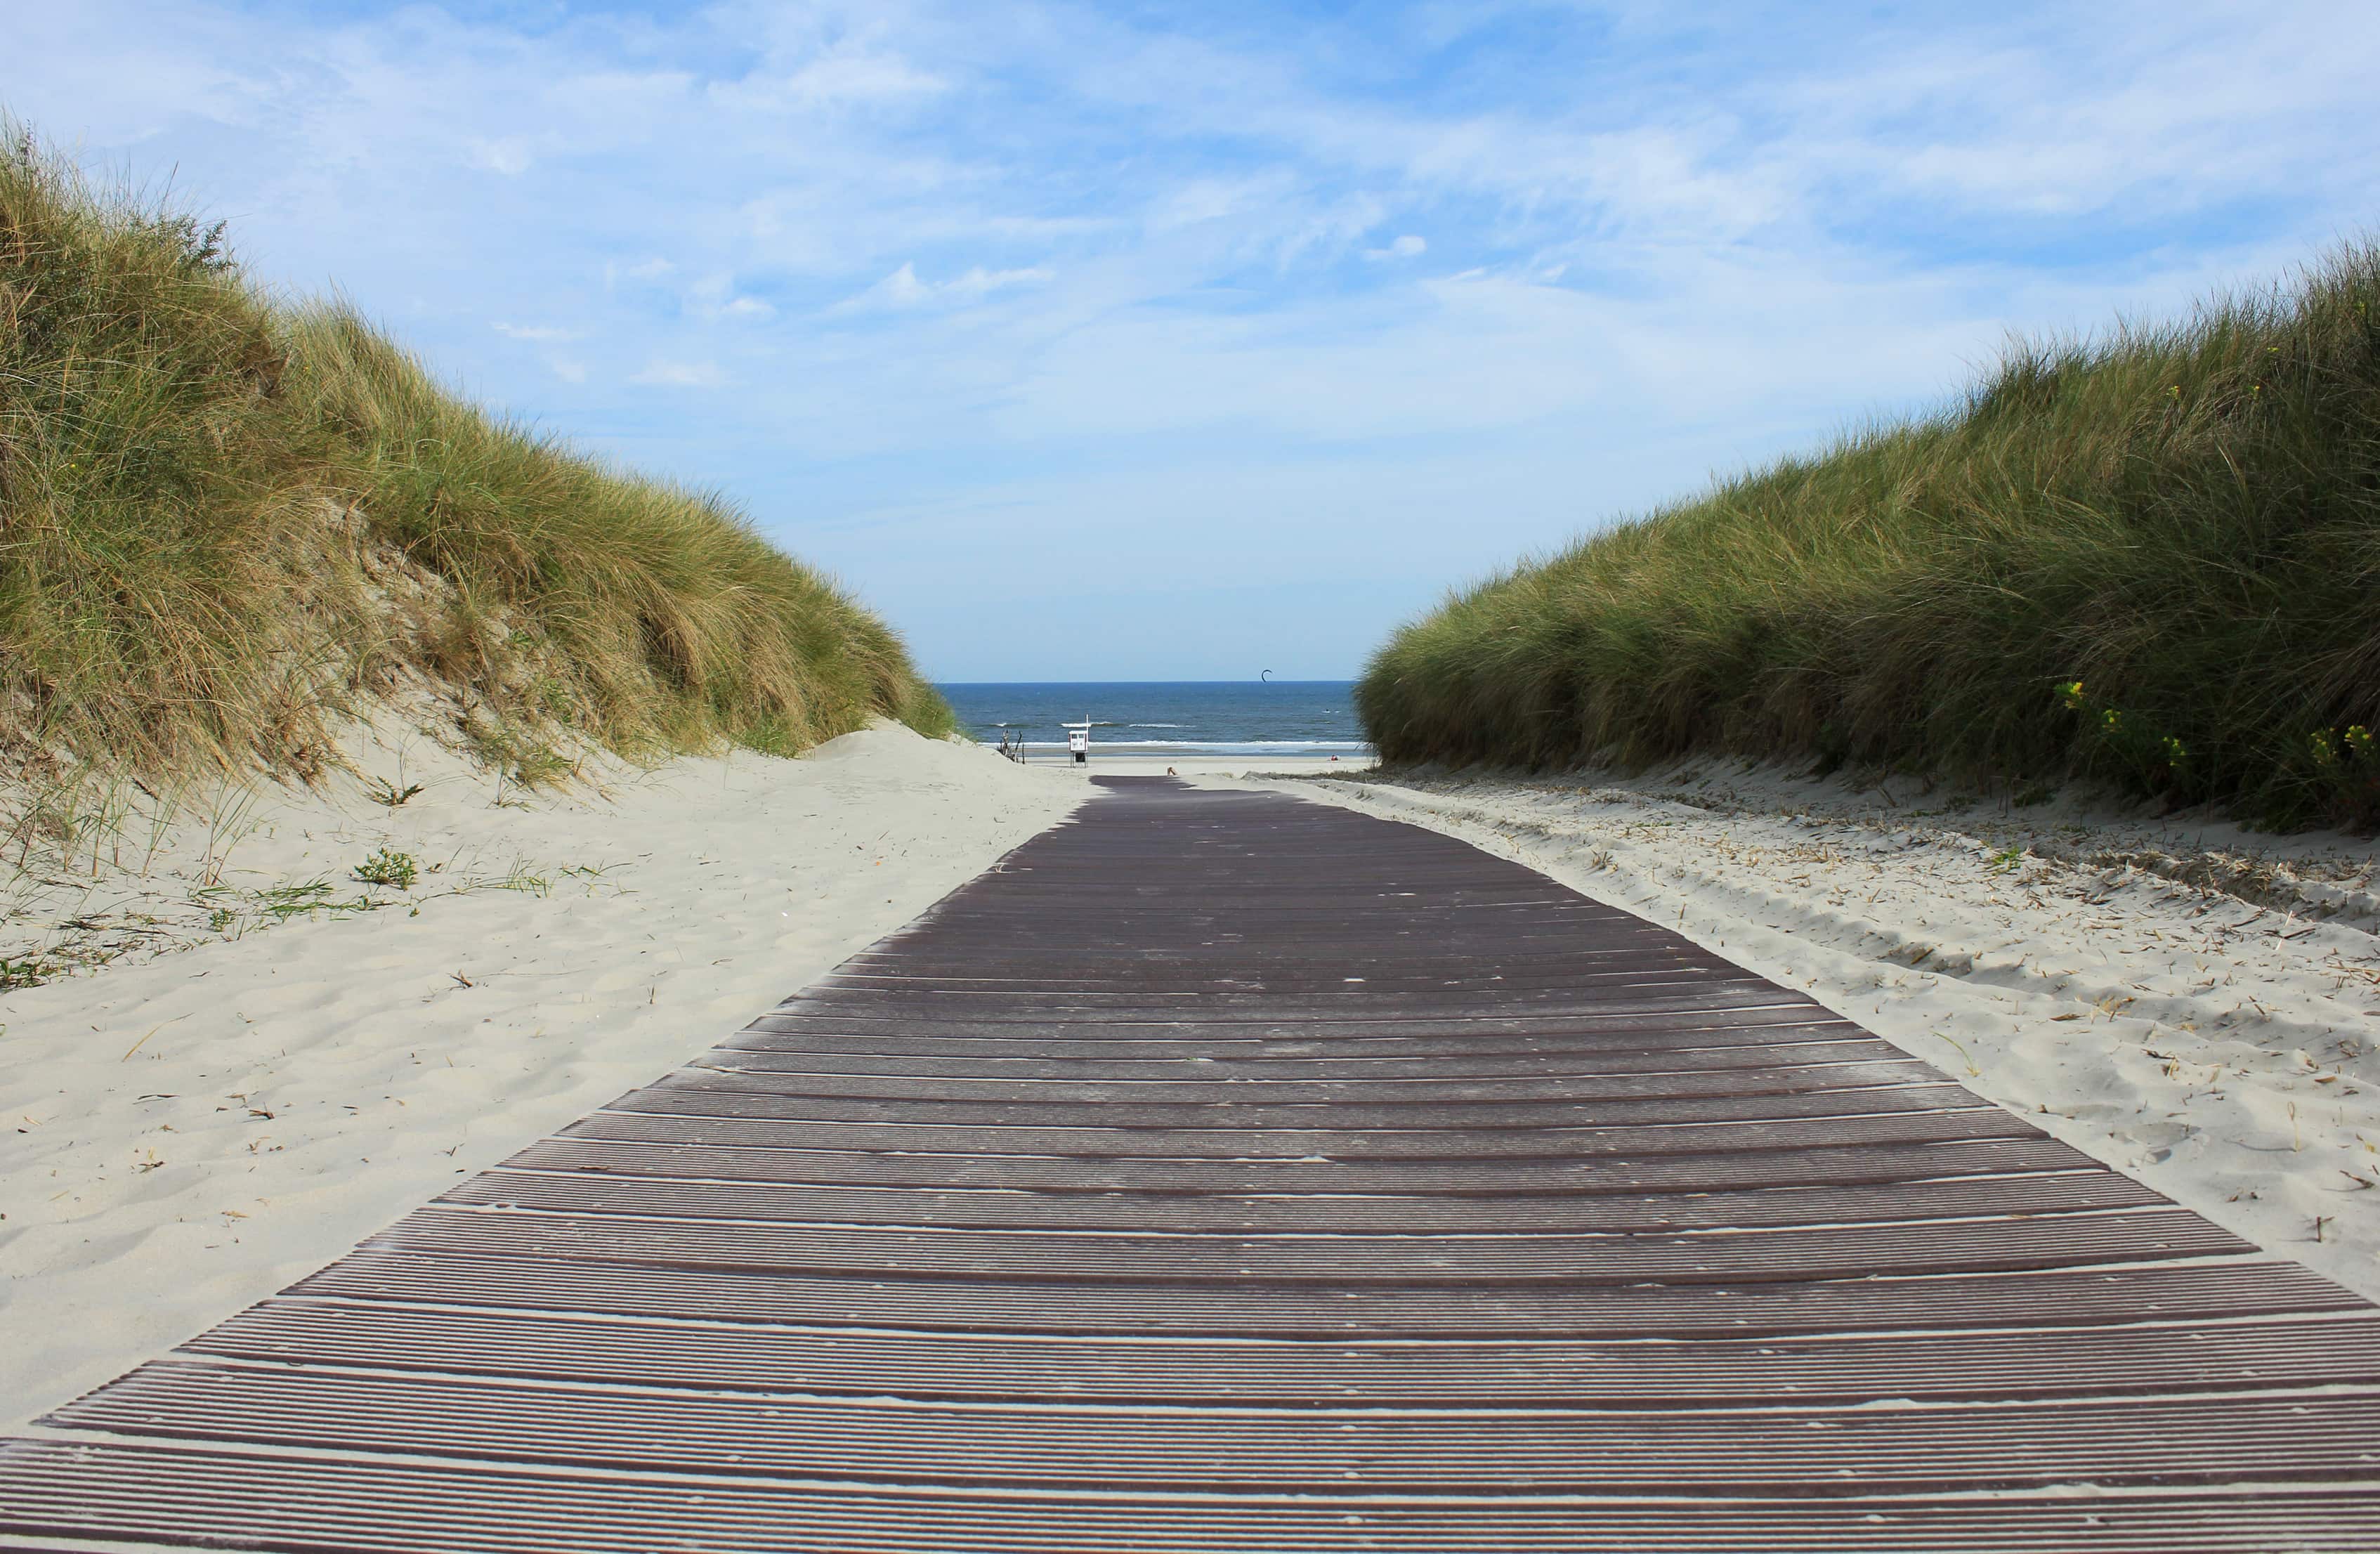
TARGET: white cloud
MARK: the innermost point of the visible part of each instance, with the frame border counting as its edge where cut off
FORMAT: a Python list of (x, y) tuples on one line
[(680, 375), (1202, 199), (544, 333), (1409, 246), (1326, 234), (900, 289), (570, 371), (903, 290), (510, 157), (836, 80), (715, 297), (979, 282)]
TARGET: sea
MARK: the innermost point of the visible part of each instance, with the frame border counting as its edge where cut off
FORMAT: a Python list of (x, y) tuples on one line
[(1160, 717)]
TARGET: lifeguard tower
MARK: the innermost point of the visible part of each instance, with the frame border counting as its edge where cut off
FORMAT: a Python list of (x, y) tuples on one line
[(1079, 740)]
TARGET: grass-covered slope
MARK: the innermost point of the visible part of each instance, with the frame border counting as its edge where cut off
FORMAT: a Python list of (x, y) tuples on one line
[(2154, 559), (226, 520)]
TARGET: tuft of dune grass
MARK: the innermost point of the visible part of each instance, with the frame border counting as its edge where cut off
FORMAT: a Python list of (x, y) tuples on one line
[(2149, 558), (224, 520)]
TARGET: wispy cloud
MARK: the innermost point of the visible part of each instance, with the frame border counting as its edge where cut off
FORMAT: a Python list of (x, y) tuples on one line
[(541, 332), (680, 375), (511, 156), (902, 289), (717, 297), (841, 78)]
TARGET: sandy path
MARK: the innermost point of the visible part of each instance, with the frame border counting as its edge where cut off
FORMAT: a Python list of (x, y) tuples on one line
[(2106, 976), (188, 1132)]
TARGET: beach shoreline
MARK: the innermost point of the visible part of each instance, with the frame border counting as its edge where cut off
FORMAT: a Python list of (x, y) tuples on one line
[(1140, 764)]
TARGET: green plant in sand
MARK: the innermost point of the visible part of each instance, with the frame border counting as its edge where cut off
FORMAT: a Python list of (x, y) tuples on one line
[(384, 868)]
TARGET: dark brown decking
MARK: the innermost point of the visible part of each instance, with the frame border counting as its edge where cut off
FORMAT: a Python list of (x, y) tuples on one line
[(1230, 1172)]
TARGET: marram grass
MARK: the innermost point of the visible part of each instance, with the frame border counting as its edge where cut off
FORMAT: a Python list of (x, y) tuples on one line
[(2152, 559), (226, 520)]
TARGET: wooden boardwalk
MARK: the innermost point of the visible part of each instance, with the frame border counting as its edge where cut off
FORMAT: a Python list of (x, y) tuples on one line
[(1230, 1172)]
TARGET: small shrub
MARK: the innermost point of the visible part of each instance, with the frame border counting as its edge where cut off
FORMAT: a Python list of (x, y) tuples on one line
[(2346, 771), (384, 868), (2130, 746)]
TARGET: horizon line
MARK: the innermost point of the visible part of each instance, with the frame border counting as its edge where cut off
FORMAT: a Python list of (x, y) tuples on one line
[(1207, 682)]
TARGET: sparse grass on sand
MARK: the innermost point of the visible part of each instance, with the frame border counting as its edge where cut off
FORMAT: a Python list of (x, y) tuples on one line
[(225, 519), (2149, 558)]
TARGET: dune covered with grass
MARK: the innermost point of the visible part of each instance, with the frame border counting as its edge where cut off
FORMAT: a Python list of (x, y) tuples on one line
[(228, 520), (2147, 558)]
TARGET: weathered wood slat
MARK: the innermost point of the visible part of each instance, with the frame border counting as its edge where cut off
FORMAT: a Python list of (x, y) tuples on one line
[(257, 1500)]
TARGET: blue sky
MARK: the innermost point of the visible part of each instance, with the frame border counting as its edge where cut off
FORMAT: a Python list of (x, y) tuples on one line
[(1178, 340)]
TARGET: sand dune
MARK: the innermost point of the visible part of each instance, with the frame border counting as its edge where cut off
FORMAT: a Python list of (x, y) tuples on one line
[(234, 1100)]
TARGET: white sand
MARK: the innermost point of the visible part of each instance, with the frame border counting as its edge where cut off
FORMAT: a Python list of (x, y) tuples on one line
[(2111, 978), (207, 1118)]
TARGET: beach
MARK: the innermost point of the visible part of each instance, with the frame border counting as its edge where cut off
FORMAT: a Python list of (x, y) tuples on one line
[(2191, 1002), (220, 1107), (222, 1098)]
